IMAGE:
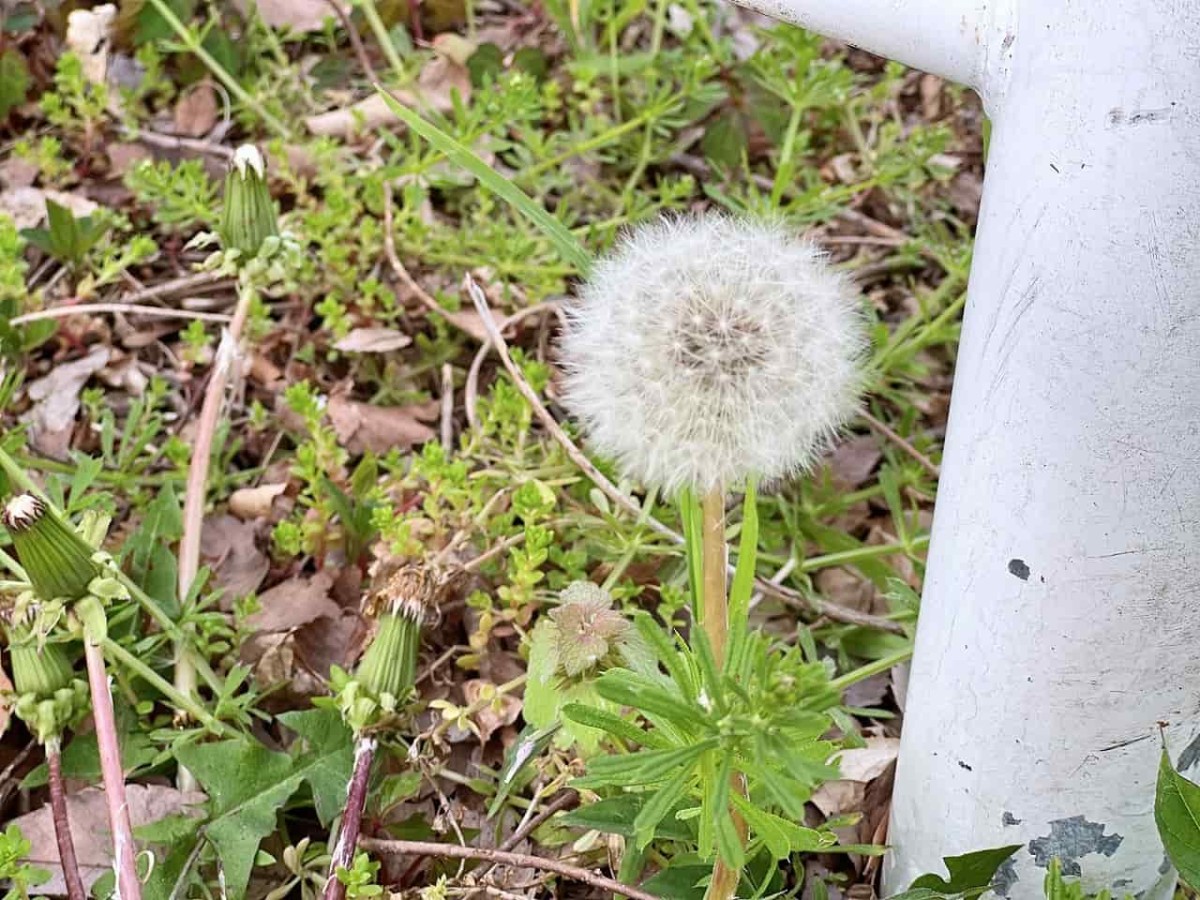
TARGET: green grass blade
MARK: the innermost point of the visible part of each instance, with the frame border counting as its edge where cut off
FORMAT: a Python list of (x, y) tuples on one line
[(743, 576), (689, 513), (568, 246)]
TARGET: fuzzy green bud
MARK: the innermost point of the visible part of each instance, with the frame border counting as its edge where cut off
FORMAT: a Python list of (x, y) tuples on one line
[(249, 216), (58, 561)]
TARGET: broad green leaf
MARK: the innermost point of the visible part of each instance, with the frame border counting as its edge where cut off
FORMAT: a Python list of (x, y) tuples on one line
[(14, 80), (1177, 814), (247, 784), (327, 762), (970, 875), (568, 246)]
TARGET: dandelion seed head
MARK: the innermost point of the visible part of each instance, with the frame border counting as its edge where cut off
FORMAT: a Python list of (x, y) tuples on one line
[(707, 350), (22, 511)]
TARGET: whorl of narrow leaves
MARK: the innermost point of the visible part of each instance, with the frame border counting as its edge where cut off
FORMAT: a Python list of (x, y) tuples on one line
[(708, 350), (57, 560), (249, 216)]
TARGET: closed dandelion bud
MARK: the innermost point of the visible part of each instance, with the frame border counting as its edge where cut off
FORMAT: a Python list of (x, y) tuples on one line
[(58, 561), (249, 216), (49, 698), (707, 351), (388, 667)]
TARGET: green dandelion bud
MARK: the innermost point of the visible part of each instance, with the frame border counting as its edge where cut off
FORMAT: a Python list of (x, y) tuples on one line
[(49, 698), (389, 664), (249, 217), (56, 558), (387, 672)]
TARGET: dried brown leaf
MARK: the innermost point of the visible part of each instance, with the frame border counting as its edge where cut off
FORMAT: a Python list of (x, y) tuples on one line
[(196, 111), (89, 827), (361, 426), (301, 16), (56, 402), (229, 547), (295, 602), (255, 502), (373, 340), (26, 206)]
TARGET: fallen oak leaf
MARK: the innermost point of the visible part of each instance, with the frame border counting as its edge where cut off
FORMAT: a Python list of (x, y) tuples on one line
[(295, 602)]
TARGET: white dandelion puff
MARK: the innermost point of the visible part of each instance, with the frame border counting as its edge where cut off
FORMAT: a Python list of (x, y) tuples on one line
[(708, 350)]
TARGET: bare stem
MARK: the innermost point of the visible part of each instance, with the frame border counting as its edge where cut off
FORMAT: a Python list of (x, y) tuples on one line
[(714, 611), (197, 484), (62, 823), (356, 800), (504, 858), (128, 886)]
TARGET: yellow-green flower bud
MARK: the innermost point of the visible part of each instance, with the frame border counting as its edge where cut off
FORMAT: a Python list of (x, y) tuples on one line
[(56, 558), (249, 216)]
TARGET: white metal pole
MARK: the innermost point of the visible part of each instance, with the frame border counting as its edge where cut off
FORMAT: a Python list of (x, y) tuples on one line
[(1058, 624)]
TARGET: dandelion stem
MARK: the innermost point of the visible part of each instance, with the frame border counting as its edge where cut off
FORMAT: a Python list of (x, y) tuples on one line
[(128, 886), (356, 800), (197, 483), (62, 823), (714, 606)]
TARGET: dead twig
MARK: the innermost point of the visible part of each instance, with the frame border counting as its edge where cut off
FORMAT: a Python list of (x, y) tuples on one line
[(568, 799), (356, 41), (830, 610), (173, 142), (471, 388), (505, 858), (183, 285), (81, 309), (926, 463)]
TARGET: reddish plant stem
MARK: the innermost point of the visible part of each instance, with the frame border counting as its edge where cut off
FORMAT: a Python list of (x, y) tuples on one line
[(62, 823), (356, 800), (128, 886)]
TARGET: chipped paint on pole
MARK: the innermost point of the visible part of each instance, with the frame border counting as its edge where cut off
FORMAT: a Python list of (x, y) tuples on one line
[(1058, 620)]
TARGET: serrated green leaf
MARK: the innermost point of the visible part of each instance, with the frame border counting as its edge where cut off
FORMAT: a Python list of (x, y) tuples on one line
[(327, 762), (246, 784), (1177, 814), (970, 874)]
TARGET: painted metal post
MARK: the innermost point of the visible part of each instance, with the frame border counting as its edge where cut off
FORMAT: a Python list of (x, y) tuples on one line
[(1063, 590)]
